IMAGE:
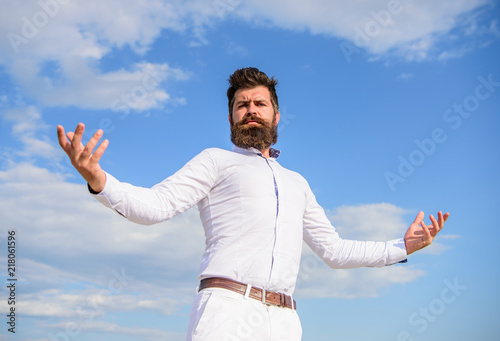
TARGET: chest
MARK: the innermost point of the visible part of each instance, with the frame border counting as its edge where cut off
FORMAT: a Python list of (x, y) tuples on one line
[(264, 185)]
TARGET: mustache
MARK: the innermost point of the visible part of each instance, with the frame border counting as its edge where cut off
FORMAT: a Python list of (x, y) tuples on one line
[(249, 118)]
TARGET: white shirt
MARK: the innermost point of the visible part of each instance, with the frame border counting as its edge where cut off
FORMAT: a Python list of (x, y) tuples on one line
[(255, 214)]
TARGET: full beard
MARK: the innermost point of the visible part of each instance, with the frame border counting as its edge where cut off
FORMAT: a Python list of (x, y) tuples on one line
[(260, 136)]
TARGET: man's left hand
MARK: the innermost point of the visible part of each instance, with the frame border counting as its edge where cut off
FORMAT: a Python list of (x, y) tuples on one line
[(420, 235)]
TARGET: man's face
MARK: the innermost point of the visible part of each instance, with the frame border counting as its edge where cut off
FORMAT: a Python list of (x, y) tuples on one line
[(254, 123), (255, 101)]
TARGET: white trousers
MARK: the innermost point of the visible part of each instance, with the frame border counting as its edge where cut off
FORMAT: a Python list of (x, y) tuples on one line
[(222, 315)]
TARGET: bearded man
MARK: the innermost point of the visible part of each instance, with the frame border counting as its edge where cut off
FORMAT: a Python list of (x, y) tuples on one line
[(255, 213)]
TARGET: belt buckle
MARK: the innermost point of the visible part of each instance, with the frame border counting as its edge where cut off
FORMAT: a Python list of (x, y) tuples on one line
[(282, 303)]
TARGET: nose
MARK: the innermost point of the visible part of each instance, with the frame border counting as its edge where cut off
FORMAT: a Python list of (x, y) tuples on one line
[(251, 109)]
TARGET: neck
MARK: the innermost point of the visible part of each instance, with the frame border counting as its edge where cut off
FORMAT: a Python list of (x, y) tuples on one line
[(265, 153)]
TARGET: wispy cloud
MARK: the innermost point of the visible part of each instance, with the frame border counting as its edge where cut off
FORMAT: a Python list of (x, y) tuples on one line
[(150, 334), (405, 76), (84, 86), (73, 250), (30, 130), (377, 222), (316, 279), (404, 28), (76, 36)]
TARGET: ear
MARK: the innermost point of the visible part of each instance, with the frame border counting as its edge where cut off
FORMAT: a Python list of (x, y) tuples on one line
[(277, 117), (229, 118)]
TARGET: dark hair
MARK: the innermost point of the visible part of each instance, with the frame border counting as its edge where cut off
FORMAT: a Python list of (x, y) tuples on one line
[(248, 78)]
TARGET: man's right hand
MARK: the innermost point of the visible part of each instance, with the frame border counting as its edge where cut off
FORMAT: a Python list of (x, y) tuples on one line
[(82, 158)]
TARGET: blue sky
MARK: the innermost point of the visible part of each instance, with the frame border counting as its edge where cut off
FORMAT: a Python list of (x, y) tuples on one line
[(387, 108)]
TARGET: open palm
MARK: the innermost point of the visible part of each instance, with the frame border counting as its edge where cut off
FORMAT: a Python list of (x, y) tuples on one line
[(420, 235)]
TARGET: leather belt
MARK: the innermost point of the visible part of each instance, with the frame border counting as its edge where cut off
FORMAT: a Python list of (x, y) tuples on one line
[(266, 297)]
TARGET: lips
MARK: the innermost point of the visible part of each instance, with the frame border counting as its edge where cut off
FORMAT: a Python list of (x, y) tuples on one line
[(253, 120)]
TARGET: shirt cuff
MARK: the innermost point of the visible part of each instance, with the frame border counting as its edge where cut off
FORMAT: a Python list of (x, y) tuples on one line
[(91, 190), (110, 196), (396, 251)]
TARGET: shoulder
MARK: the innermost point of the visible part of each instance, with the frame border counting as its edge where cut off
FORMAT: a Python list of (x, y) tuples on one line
[(216, 152), (218, 157)]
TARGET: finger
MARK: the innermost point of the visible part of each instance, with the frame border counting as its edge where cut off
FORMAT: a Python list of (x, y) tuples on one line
[(87, 151), (61, 136), (100, 150), (435, 224), (427, 233), (70, 135), (419, 218), (440, 219), (76, 139), (446, 216)]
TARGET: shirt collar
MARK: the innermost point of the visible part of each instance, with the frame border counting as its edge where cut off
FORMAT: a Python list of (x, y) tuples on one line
[(273, 153)]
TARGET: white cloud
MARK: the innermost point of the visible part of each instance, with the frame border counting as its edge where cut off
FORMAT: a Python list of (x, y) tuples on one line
[(449, 236), (71, 215), (111, 328), (71, 28), (379, 222), (29, 129), (317, 280), (405, 76), (68, 238), (85, 86), (96, 301), (233, 48), (76, 36), (410, 29)]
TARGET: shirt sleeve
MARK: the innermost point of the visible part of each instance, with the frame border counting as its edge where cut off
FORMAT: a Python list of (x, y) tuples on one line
[(172, 196), (340, 253)]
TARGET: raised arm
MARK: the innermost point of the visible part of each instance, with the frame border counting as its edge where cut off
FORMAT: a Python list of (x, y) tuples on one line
[(340, 253), (82, 158)]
